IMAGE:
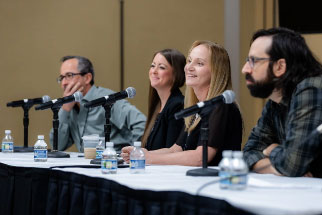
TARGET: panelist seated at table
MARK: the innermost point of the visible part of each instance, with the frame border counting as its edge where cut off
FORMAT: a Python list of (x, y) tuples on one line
[(281, 67), (165, 99), (208, 75), (76, 121)]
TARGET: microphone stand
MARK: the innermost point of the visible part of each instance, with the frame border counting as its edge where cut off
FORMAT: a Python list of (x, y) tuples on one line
[(54, 152), (204, 132), (25, 147), (107, 129)]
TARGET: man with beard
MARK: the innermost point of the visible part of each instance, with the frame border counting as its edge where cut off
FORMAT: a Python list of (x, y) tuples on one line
[(281, 67)]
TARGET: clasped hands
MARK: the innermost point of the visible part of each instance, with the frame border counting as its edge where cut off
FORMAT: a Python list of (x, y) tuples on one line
[(271, 147), (126, 151)]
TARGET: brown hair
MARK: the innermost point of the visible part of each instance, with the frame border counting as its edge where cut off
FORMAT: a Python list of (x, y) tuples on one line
[(177, 61)]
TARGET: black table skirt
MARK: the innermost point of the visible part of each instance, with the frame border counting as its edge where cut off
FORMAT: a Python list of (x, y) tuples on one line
[(26, 191)]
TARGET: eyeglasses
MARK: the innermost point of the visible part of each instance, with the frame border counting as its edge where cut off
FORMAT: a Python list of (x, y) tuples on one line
[(253, 60), (69, 76)]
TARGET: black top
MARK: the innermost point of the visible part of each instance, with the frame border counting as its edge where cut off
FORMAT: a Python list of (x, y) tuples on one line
[(166, 128), (225, 132)]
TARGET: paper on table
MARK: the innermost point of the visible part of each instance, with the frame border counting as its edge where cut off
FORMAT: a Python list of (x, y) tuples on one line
[(260, 183)]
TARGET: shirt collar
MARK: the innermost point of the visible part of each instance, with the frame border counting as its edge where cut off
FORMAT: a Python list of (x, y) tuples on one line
[(285, 101), (90, 94)]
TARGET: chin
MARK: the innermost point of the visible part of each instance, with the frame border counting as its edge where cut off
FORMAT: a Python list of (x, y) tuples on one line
[(190, 83)]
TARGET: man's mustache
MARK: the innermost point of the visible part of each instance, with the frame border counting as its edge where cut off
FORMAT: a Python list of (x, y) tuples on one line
[(248, 77)]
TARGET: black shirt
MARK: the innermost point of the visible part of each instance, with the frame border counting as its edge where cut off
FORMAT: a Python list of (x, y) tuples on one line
[(225, 131), (166, 128)]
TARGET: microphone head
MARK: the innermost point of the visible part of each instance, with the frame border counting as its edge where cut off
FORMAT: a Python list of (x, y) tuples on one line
[(229, 96), (131, 92), (45, 99), (78, 96), (319, 129)]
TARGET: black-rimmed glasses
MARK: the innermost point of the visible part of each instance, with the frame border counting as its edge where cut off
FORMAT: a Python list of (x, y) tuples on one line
[(253, 60), (69, 76)]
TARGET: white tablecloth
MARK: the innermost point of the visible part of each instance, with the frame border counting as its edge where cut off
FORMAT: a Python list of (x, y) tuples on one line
[(265, 194)]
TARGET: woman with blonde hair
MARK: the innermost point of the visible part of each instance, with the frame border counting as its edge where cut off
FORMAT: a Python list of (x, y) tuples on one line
[(208, 75)]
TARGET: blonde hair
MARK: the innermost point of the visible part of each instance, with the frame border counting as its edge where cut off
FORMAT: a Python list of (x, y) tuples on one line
[(220, 78)]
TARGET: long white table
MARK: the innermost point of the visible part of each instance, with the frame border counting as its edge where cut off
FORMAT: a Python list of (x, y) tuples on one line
[(265, 194)]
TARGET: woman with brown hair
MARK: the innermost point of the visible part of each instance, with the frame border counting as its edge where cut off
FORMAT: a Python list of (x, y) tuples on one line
[(166, 76), (207, 75)]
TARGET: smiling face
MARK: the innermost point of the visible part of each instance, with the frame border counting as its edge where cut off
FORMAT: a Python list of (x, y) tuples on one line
[(198, 68), (161, 73)]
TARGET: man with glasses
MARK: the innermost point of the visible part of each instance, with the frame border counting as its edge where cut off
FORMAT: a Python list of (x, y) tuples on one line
[(281, 67), (75, 121)]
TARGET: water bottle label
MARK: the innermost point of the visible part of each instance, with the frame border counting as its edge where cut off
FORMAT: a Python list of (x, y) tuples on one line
[(239, 180), (40, 153), (99, 154), (137, 164), (224, 176), (7, 146), (109, 164)]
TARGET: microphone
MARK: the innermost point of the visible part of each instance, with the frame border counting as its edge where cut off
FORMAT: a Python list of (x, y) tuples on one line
[(29, 102), (228, 97), (128, 93), (77, 97)]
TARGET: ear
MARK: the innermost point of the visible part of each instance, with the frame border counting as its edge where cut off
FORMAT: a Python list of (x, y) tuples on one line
[(89, 78), (279, 68)]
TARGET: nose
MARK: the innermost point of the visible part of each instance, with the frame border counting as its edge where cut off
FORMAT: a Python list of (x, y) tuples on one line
[(153, 70), (64, 82), (246, 68), (188, 67)]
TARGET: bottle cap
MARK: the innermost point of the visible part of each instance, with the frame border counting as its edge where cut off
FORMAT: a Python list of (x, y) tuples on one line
[(109, 144), (7, 131), (238, 154), (40, 137), (227, 153), (137, 144)]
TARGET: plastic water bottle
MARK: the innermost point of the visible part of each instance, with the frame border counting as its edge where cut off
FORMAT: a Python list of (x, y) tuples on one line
[(109, 159), (137, 159), (7, 142), (100, 148), (40, 150), (225, 169), (239, 171)]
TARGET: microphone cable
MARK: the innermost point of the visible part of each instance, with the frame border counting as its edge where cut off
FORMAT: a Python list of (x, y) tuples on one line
[(229, 177)]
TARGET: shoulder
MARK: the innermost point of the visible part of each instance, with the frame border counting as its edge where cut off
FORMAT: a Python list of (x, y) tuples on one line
[(103, 91), (222, 107), (175, 101), (307, 90), (176, 95), (307, 93), (310, 82)]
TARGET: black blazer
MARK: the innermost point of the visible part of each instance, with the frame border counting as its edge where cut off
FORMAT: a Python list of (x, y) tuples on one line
[(166, 128)]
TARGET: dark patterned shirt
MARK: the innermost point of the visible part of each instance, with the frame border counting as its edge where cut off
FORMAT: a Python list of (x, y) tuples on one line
[(289, 124)]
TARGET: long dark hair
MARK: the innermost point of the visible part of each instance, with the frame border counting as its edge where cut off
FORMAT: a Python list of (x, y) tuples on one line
[(300, 61), (177, 61)]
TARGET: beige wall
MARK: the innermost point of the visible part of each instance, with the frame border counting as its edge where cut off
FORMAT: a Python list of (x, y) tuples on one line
[(36, 34), (258, 14), (253, 16)]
